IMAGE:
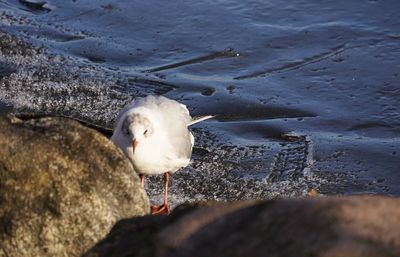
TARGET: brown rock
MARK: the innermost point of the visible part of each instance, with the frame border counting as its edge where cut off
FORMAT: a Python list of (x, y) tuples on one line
[(62, 187), (355, 226)]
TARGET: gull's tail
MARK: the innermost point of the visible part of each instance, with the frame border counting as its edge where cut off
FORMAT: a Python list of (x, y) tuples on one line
[(200, 119)]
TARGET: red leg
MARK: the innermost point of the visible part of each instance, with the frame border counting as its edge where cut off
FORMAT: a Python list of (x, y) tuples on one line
[(162, 209), (141, 176)]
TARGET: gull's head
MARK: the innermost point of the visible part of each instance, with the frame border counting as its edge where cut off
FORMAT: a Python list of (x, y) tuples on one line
[(137, 128)]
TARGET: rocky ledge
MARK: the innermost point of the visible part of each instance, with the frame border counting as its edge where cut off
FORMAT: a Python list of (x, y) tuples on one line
[(66, 190), (355, 226), (62, 187)]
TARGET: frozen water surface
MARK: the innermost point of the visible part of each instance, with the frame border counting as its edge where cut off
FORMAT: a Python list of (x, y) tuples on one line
[(307, 93)]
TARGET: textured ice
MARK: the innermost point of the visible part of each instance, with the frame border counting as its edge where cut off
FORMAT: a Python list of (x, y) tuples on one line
[(223, 171), (335, 85), (35, 81), (43, 83)]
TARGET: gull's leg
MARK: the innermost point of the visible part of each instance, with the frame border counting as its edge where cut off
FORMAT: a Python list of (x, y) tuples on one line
[(141, 176), (166, 182), (162, 209)]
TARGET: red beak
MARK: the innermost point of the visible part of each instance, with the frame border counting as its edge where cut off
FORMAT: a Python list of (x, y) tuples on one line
[(134, 144)]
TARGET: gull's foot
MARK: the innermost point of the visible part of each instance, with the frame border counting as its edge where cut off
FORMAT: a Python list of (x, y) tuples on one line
[(160, 209)]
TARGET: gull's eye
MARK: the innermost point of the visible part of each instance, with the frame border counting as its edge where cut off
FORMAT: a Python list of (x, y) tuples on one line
[(145, 132)]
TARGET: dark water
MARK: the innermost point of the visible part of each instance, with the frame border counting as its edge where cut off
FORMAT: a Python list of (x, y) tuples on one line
[(307, 92)]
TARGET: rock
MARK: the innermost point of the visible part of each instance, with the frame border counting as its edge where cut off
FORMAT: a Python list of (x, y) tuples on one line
[(352, 226), (62, 187)]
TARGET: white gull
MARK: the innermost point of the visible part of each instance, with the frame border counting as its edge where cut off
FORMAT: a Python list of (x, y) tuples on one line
[(153, 133)]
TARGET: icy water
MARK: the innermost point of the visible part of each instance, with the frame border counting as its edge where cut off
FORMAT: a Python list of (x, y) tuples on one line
[(306, 93)]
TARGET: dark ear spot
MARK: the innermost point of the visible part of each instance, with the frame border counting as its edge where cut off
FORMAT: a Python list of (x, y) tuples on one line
[(125, 127)]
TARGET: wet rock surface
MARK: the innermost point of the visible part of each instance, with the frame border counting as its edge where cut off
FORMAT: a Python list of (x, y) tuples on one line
[(324, 226), (62, 187)]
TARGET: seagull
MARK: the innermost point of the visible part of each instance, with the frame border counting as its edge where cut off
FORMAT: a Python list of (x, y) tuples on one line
[(153, 133)]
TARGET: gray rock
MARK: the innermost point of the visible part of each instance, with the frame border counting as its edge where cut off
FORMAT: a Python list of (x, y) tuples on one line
[(62, 187), (353, 226)]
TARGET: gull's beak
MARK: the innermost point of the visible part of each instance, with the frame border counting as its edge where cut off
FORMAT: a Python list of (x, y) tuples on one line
[(134, 143)]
